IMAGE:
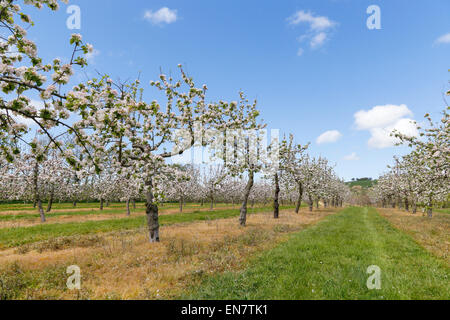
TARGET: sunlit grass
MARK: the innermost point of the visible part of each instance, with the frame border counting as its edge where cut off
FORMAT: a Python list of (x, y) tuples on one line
[(27, 212), (123, 265), (11, 237), (330, 260)]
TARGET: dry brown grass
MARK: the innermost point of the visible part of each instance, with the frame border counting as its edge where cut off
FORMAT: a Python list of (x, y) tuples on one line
[(123, 265), (433, 234)]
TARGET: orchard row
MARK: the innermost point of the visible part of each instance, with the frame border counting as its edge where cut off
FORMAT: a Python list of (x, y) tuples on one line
[(422, 177), (101, 139)]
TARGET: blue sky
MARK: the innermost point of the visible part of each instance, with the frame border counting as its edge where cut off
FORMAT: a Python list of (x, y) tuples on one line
[(343, 67)]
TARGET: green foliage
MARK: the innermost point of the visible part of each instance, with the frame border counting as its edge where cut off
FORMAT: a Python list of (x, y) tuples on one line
[(363, 182)]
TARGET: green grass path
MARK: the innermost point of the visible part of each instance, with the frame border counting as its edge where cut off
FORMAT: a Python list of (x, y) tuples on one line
[(330, 260)]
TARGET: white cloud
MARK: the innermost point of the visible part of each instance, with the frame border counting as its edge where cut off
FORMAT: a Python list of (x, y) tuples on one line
[(163, 15), (300, 51), (443, 39), (381, 121), (316, 23), (329, 137), (352, 157), (380, 116), (318, 40), (381, 137), (318, 31)]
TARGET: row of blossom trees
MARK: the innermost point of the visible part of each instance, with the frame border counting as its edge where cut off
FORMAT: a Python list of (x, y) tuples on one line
[(102, 140), (421, 177), (112, 127), (54, 180), (311, 178)]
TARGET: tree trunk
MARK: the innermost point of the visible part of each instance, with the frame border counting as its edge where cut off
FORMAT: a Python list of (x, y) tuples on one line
[(430, 208), (276, 204), (101, 204), (152, 213), (134, 203), (50, 201), (311, 204), (37, 196), (74, 203), (317, 204), (248, 189), (211, 207), (128, 208), (181, 204), (300, 196), (406, 204), (414, 208), (41, 210), (35, 183)]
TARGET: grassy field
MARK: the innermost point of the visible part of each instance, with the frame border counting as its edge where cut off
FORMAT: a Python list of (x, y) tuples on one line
[(26, 211), (12, 237), (31, 215), (433, 234), (124, 265), (322, 254), (446, 210), (74, 212), (329, 261), (87, 205)]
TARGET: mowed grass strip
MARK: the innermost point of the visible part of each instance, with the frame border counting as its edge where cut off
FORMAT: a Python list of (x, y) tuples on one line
[(60, 206), (446, 210), (115, 209), (65, 209), (330, 261), (13, 237), (16, 217), (12, 207)]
